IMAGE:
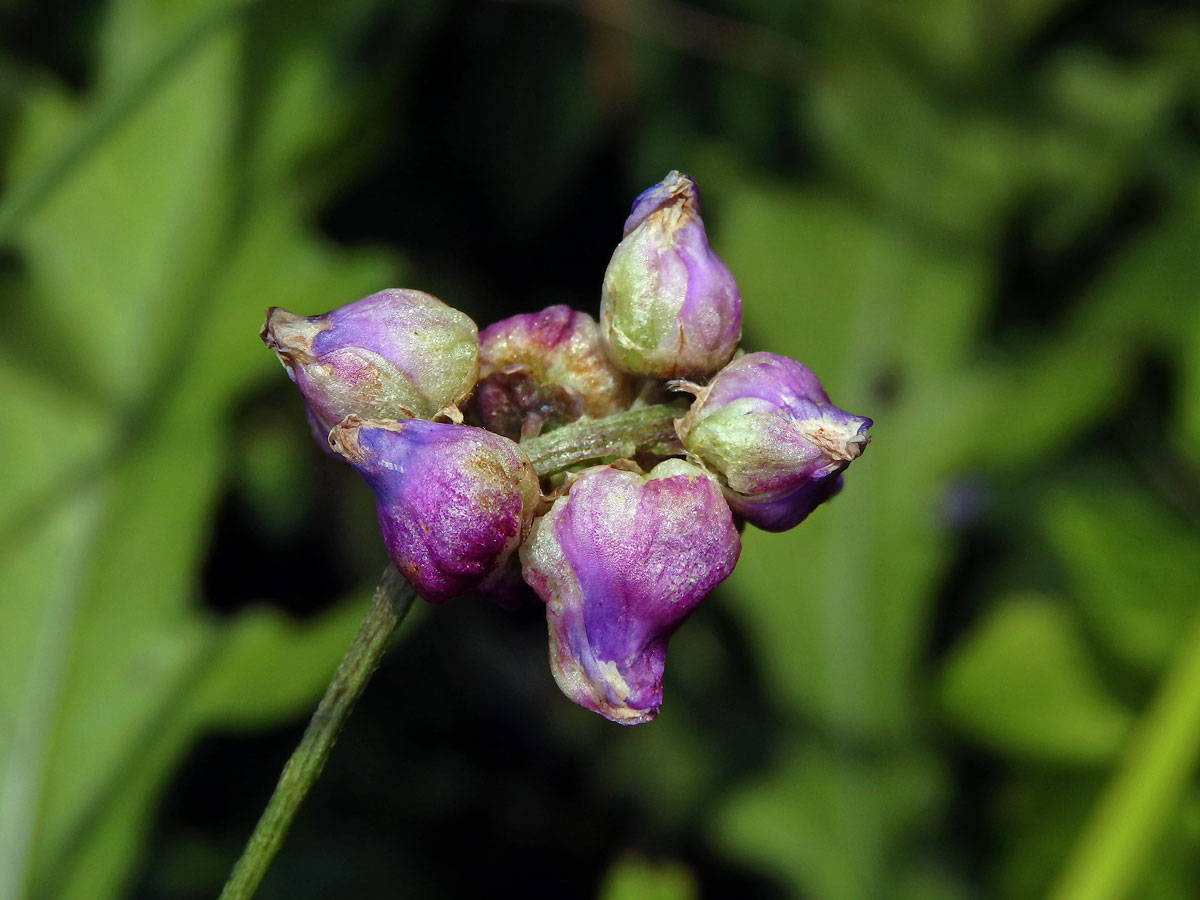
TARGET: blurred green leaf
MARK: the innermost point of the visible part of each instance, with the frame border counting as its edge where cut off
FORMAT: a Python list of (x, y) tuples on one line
[(948, 33), (633, 878), (1023, 683), (1040, 814), (948, 167), (1150, 289), (1189, 388), (682, 769), (1132, 567), (79, 432), (1107, 116), (836, 604), (110, 250), (837, 607), (825, 823), (152, 280), (1025, 408), (961, 38), (242, 687)]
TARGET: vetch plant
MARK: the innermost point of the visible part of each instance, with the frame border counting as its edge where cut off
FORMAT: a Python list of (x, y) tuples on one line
[(529, 452)]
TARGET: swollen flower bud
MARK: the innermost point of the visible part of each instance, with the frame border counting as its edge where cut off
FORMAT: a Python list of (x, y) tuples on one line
[(766, 428), (453, 501), (670, 308), (545, 369), (620, 561), (395, 354)]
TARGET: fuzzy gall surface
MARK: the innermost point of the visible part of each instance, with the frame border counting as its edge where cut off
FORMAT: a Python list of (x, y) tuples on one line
[(669, 308), (454, 502), (765, 427), (620, 561)]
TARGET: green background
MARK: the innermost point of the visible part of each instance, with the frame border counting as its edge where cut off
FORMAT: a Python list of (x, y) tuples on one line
[(975, 674)]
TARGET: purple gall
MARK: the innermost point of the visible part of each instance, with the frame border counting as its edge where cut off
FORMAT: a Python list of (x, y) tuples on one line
[(544, 369), (765, 427), (670, 308), (395, 354), (453, 501), (620, 561)]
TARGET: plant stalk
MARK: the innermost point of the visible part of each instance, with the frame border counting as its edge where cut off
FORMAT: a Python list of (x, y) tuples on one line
[(613, 437), (393, 598)]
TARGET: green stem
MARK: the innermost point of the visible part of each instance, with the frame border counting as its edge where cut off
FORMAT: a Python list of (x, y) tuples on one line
[(1133, 809), (614, 437), (391, 603)]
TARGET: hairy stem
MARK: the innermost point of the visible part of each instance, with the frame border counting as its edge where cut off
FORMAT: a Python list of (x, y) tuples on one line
[(391, 603), (614, 437)]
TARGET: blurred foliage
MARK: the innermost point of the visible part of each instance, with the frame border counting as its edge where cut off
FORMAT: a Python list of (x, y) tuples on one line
[(634, 879), (978, 222)]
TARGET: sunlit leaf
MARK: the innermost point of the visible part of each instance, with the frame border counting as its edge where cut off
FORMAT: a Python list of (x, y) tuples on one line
[(1023, 683), (1132, 566), (631, 878), (828, 825), (152, 281)]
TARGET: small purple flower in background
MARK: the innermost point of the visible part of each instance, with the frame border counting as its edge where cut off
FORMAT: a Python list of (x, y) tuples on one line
[(765, 427), (545, 368), (670, 308), (454, 502), (395, 354), (621, 560)]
